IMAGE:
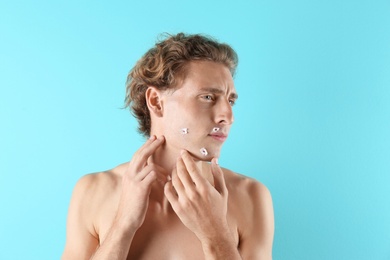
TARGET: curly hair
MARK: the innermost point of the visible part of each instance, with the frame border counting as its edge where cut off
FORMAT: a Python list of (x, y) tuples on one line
[(163, 65)]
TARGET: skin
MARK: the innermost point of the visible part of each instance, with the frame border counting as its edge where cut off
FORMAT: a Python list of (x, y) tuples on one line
[(169, 202)]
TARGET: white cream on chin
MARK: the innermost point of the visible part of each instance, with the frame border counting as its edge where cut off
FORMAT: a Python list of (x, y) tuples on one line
[(203, 151)]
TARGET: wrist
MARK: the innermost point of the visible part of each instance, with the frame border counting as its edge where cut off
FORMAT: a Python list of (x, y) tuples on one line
[(222, 247), (125, 227), (219, 238), (217, 231), (213, 243)]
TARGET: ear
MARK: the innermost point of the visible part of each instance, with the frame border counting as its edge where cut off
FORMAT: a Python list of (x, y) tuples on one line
[(154, 101)]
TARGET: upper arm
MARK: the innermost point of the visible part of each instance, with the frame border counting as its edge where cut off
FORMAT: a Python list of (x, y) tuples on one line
[(258, 232), (81, 240)]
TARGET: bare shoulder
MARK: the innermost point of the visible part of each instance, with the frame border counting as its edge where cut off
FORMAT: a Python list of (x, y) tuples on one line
[(91, 195), (245, 188), (95, 190), (250, 203), (91, 190), (100, 183)]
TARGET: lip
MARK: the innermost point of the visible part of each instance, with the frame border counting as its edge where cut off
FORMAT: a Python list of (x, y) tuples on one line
[(219, 137)]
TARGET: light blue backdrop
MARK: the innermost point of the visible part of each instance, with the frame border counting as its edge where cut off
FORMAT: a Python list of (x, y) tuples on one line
[(312, 121)]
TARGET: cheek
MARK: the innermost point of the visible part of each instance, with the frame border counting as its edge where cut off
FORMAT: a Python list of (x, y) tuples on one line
[(186, 129), (183, 133), (183, 123), (178, 130)]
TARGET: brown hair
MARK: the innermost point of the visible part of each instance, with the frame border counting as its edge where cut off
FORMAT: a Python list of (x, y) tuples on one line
[(163, 65)]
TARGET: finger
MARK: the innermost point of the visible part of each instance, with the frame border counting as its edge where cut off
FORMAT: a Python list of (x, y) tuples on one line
[(170, 193), (149, 160), (219, 179), (141, 156), (177, 184), (160, 171), (141, 176), (162, 175), (192, 169), (151, 177), (149, 147), (183, 174)]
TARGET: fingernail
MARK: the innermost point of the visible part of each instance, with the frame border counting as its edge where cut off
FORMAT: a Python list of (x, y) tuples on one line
[(216, 161), (152, 137)]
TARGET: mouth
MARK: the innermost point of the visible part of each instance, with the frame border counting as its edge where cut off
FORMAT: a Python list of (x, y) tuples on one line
[(219, 137)]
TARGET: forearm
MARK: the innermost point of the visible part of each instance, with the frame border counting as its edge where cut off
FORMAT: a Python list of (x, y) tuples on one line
[(116, 245)]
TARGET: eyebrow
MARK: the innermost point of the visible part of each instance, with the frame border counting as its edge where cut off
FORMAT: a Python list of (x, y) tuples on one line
[(219, 91)]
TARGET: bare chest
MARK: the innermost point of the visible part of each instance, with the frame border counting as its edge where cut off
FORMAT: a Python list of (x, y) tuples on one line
[(164, 237)]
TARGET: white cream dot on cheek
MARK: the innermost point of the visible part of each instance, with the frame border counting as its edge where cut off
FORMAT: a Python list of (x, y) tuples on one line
[(203, 151), (184, 131)]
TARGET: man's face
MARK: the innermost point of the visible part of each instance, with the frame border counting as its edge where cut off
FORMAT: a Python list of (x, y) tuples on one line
[(198, 113)]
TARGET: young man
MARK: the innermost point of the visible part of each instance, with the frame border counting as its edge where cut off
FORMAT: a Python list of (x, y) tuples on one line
[(172, 200)]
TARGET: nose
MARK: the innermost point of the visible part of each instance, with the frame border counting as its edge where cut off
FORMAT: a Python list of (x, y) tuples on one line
[(225, 113)]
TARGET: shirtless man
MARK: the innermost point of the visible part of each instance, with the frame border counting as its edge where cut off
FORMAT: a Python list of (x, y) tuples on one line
[(173, 200)]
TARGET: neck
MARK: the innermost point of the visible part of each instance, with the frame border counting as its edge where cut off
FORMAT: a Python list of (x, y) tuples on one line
[(166, 157)]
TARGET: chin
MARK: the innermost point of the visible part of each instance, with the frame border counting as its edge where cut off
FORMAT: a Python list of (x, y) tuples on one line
[(207, 158)]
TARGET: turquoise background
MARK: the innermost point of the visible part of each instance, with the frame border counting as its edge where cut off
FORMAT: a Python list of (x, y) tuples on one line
[(312, 121)]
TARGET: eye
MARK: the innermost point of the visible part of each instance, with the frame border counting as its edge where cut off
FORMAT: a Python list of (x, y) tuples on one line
[(232, 102), (208, 97)]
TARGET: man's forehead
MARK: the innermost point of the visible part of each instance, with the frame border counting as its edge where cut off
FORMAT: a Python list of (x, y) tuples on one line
[(208, 72), (195, 67)]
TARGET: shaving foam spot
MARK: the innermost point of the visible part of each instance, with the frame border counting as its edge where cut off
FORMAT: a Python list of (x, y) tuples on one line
[(203, 151), (215, 129), (184, 131)]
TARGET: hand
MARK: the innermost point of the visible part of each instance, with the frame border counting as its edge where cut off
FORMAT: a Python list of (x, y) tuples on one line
[(201, 207), (136, 185)]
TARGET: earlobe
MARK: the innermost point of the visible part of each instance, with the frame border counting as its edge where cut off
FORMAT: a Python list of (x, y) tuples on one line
[(153, 101)]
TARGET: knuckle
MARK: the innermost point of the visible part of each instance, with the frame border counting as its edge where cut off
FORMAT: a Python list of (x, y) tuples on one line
[(152, 165), (185, 203), (225, 189), (153, 174), (192, 168), (193, 195), (202, 189), (179, 209)]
